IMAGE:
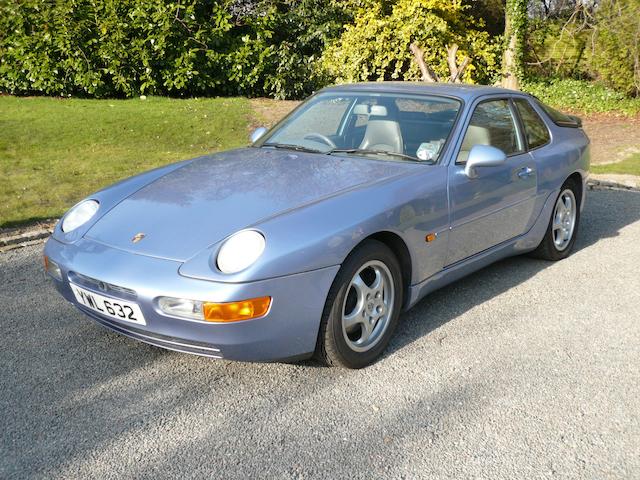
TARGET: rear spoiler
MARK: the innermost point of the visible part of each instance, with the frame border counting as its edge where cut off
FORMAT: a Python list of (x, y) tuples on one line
[(574, 121)]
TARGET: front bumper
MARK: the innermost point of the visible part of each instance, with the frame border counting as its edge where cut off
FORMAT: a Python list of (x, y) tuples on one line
[(288, 331)]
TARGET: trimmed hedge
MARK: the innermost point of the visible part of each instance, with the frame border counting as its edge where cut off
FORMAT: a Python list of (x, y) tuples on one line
[(132, 47)]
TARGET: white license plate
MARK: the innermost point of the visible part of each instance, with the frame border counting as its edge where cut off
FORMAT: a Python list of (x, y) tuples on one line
[(111, 307)]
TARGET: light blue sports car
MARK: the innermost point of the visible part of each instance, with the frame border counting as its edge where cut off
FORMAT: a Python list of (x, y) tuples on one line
[(311, 241)]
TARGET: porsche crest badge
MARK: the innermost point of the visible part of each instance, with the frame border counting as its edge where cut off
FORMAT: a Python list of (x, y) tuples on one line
[(137, 237)]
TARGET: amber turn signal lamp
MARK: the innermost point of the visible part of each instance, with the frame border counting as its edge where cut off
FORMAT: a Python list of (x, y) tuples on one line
[(430, 237), (52, 268), (236, 311)]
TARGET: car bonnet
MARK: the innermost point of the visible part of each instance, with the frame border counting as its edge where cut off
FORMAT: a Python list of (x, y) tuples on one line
[(185, 211)]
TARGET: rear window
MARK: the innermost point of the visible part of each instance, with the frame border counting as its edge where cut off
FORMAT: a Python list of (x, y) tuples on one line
[(559, 118)]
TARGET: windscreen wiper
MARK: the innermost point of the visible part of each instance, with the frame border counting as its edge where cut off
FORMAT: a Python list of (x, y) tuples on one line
[(374, 152), (291, 146)]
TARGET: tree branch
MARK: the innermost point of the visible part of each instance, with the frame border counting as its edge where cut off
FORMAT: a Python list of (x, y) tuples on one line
[(451, 60), (455, 69), (463, 66), (428, 75)]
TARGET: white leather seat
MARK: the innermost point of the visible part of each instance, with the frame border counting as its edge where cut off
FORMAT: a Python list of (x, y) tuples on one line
[(383, 135), (474, 136)]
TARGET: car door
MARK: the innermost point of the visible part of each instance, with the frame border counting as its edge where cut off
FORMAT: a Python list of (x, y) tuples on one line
[(498, 203)]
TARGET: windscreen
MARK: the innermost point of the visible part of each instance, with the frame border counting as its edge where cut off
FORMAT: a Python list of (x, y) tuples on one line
[(387, 126)]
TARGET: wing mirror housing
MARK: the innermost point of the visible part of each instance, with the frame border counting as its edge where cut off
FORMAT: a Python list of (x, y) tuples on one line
[(257, 133), (483, 156)]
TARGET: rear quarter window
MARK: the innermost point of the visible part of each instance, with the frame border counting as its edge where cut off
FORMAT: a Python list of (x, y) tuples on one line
[(535, 129)]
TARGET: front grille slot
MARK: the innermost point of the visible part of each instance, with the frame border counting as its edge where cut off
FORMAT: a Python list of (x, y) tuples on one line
[(102, 287)]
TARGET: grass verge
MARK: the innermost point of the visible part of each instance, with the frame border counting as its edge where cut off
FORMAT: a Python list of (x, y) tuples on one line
[(53, 152), (628, 166)]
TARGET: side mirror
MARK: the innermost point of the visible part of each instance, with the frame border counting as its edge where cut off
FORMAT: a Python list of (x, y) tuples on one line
[(483, 156), (257, 133)]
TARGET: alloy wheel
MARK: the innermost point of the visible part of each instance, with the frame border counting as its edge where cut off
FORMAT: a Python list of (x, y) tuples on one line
[(564, 219), (368, 306)]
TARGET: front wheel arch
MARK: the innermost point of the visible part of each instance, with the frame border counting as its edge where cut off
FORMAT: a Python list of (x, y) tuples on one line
[(399, 248), (331, 348)]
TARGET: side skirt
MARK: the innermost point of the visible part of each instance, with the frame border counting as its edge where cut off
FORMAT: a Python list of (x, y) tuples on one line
[(522, 244)]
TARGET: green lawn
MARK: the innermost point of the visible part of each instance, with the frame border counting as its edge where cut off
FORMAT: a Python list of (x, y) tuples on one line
[(53, 152), (629, 166)]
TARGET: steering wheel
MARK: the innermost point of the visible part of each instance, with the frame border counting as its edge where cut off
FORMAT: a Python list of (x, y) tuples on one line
[(321, 137)]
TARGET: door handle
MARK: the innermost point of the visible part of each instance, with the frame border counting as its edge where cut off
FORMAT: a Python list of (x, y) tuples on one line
[(525, 172)]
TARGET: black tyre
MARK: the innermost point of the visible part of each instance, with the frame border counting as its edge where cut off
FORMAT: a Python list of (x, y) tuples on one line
[(362, 308), (561, 233)]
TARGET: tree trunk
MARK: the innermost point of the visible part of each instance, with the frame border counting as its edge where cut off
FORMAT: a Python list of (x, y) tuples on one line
[(509, 76), (514, 33)]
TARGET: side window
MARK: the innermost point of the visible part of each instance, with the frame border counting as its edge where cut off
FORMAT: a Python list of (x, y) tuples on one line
[(534, 127), (492, 124)]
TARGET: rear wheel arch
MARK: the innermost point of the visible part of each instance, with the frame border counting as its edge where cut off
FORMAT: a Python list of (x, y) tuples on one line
[(562, 220), (576, 177)]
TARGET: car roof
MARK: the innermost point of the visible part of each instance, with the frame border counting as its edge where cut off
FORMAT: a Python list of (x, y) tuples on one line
[(463, 91)]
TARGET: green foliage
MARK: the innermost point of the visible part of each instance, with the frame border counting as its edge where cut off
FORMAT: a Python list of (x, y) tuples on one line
[(376, 45), (303, 30), (582, 96), (556, 49), (289, 48), (55, 151), (616, 53), (193, 47), (490, 11), (597, 41)]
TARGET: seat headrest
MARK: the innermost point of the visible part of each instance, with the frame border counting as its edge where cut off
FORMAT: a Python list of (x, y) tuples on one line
[(374, 110), (383, 134)]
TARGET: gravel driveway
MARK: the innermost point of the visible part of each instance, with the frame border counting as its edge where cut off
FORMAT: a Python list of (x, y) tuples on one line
[(524, 370)]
